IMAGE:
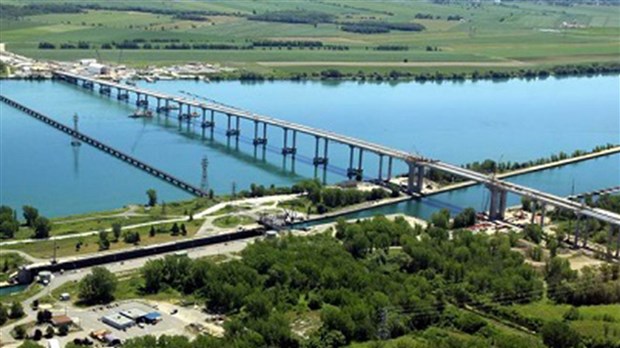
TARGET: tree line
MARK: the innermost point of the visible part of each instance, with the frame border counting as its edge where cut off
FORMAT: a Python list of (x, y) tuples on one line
[(9, 224)]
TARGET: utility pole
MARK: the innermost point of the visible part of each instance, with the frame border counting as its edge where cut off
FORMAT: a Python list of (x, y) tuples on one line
[(75, 141), (204, 183)]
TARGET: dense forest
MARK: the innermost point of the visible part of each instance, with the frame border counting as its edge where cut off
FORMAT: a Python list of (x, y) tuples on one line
[(377, 279)]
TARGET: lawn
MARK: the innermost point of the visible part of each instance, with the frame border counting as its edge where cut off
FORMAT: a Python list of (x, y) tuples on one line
[(229, 221), (89, 244), (533, 35)]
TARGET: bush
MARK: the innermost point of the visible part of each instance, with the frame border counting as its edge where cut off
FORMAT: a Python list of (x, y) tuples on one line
[(560, 335)]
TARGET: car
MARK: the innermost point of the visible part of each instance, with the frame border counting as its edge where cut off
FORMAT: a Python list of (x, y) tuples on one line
[(141, 325), (174, 311)]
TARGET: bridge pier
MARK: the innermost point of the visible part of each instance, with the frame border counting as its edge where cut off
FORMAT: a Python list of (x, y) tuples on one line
[(389, 173), (259, 140), (415, 179), (380, 177), (230, 132), (286, 150), (318, 160), (497, 207), (180, 111)]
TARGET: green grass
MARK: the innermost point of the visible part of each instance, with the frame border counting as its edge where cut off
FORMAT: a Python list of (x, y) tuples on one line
[(228, 209), (591, 323), (232, 221), (488, 34), (67, 247)]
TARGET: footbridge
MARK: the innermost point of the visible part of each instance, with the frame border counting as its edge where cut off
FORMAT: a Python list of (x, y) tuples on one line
[(187, 109), (106, 148)]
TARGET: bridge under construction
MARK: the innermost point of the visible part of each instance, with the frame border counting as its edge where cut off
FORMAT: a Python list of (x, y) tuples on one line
[(418, 165)]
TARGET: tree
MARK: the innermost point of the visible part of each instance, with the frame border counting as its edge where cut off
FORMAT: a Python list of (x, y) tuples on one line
[(38, 334), (63, 330), (441, 218), (19, 332), (152, 231), (44, 316), (104, 243), (42, 227), (466, 218), (49, 332), (98, 287), (152, 196), (557, 334), (175, 229), (30, 214), (116, 231), (533, 232), (526, 203), (17, 311), (4, 316), (183, 230)]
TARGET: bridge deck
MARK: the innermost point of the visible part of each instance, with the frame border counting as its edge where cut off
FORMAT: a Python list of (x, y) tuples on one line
[(108, 149)]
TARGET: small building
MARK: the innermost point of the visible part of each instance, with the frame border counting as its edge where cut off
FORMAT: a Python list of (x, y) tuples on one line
[(117, 321), (134, 314), (152, 318), (61, 320)]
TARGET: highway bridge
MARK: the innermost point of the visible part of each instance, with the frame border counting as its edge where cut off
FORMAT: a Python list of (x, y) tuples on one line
[(417, 164), (107, 149)]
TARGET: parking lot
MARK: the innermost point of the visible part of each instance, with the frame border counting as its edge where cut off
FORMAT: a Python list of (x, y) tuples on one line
[(90, 320)]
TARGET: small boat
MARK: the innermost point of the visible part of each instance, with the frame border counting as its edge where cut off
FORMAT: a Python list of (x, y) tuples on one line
[(130, 83), (148, 79), (139, 113)]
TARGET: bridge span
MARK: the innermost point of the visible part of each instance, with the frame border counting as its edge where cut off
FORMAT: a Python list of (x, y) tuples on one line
[(417, 164), (107, 149)]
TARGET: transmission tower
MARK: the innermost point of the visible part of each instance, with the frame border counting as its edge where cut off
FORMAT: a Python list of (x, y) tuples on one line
[(204, 182), (75, 141)]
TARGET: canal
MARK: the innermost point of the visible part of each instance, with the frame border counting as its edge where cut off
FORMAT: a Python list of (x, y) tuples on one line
[(458, 122)]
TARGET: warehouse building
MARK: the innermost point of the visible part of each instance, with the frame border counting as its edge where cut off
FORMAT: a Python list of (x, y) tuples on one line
[(118, 321)]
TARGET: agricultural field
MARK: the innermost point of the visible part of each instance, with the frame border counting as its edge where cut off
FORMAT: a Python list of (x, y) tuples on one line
[(458, 37)]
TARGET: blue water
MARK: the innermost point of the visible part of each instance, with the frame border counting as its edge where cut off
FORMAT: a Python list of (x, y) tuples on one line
[(7, 290), (457, 122)]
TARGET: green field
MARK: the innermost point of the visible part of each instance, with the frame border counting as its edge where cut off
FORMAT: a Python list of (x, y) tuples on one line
[(518, 35)]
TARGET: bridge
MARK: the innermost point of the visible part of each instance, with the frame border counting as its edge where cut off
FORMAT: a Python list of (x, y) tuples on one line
[(107, 149), (417, 164)]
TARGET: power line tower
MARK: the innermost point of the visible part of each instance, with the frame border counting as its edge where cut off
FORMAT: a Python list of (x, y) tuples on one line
[(204, 182), (75, 141)]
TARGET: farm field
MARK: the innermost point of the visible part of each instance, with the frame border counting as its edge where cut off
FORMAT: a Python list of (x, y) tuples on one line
[(515, 35)]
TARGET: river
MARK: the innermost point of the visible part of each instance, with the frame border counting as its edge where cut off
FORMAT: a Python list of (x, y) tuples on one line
[(457, 122)]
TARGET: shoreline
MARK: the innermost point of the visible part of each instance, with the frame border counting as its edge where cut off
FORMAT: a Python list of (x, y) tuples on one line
[(332, 74)]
